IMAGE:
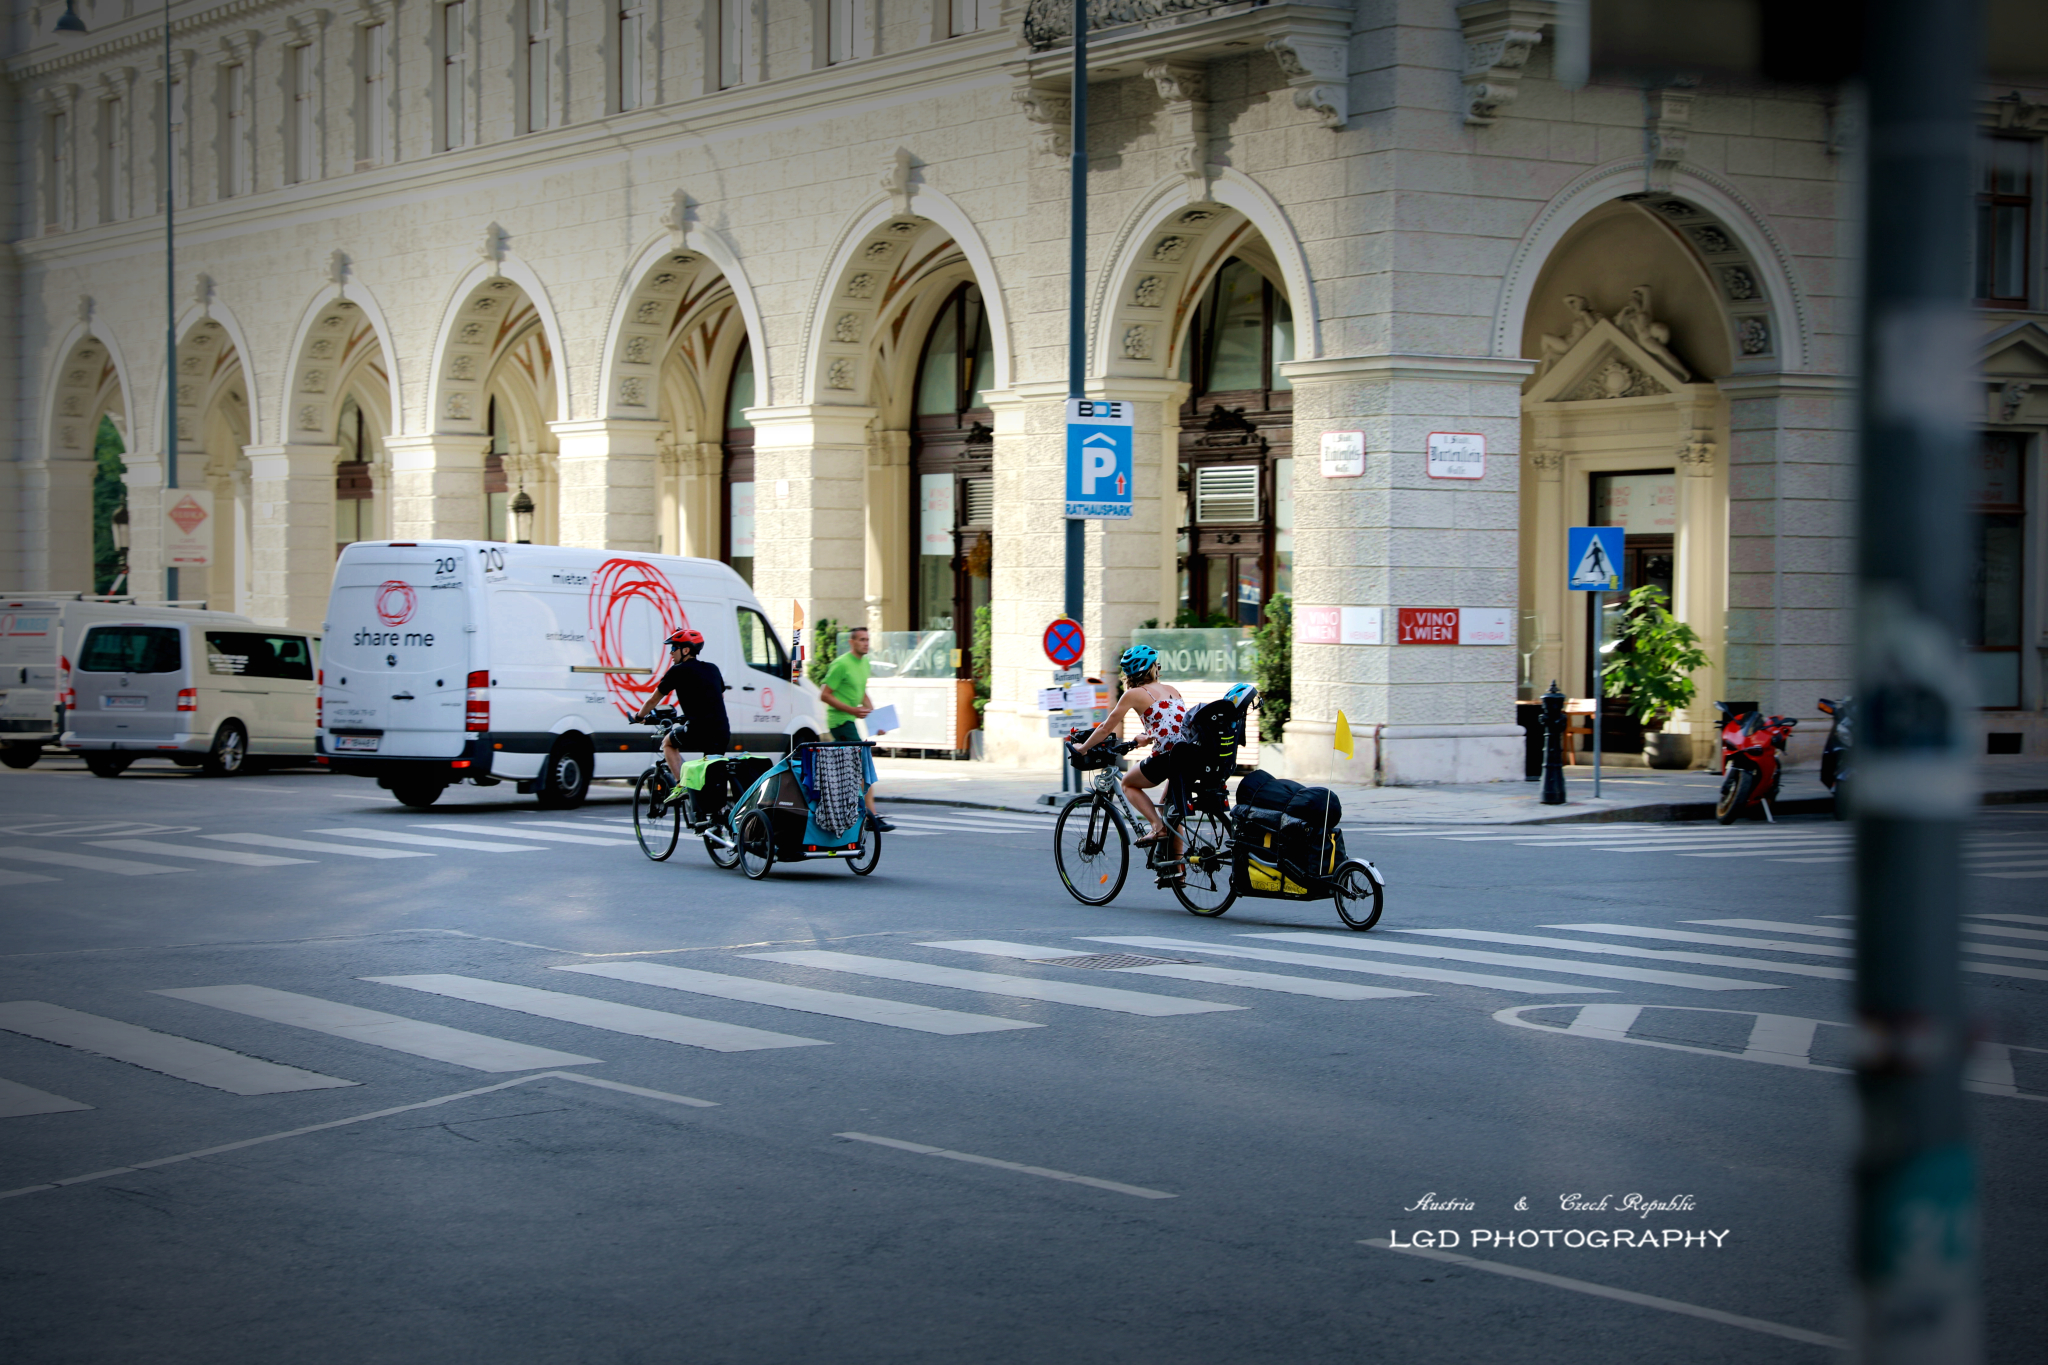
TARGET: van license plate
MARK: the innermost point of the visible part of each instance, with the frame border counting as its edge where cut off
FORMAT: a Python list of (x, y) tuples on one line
[(124, 703), (359, 744)]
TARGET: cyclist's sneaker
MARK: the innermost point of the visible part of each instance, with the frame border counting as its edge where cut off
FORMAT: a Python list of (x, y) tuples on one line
[(881, 824)]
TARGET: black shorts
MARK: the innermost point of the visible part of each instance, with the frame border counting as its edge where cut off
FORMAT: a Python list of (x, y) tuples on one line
[(1161, 767)]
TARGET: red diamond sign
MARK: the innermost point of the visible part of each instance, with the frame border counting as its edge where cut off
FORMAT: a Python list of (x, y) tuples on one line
[(187, 513)]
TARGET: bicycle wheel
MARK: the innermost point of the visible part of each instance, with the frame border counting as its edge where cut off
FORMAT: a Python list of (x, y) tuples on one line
[(1092, 849), (870, 853), (657, 833), (1358, 894), (756, 846), (720, 842), (1207, 886)]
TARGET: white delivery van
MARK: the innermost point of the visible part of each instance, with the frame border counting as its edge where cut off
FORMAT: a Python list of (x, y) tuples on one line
[(467, 660), (31, 654), (204, 689)]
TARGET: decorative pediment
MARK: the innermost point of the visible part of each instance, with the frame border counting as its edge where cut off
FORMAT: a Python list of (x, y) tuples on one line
[(1602, 362), (2019, 350)]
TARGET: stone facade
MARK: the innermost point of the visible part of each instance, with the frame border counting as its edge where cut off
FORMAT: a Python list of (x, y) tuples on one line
[(509, 280)]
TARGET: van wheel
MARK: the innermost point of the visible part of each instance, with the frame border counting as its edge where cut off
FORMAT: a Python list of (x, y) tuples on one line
[(417, 793), (565, 777), (107, 764), (230, 751), (801, 737), (20, 755)]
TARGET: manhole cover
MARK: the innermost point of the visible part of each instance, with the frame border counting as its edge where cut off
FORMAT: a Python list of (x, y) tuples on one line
[(1109, 962), (92, 829)]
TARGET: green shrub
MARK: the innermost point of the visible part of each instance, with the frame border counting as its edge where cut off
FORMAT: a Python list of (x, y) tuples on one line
[(824, 649), (984, 646), (1273, 667), (1654, 660)]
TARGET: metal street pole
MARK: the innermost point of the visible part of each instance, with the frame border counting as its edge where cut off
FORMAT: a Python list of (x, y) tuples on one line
[(1077, 270), (170, 309), (1915, 1185), (1599, 681)]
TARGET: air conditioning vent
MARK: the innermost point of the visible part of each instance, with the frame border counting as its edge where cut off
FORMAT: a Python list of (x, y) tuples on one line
[(981, 501), (1227, 493)]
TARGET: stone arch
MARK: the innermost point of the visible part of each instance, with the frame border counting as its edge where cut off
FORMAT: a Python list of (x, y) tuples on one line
[(208, 336), (341, 331), (886, 250), (1165, 254), (473, 335), (88, 381), (673, 287), (1768, 323)]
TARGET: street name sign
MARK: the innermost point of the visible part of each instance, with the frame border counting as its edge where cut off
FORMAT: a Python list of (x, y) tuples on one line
[(1456, 455), (1343, 454), (1099, 482), (1592, 558)]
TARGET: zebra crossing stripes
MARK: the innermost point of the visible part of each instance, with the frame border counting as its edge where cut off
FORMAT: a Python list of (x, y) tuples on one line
[(426, 840), (921, 825), (120, 867), (1561, 966), (1719, 940), (315, 846), (1190, 971), (993, 983), (2013, 919), (8, 878), (864, 1008), (527, 832), (394, 1032), (209, 855), (184, 1058), (1976, 926), (1655, 954), (20, 1101), (1522, 985), (601, 1014)]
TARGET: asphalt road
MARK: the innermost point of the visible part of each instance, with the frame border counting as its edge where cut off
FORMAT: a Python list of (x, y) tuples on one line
[(529, 1097)]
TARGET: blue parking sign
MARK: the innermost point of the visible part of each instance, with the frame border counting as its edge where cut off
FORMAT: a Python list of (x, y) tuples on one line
[(1592, 558), (1099, 482)]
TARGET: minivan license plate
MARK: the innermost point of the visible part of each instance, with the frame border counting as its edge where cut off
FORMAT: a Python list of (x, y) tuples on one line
[(361, 744), (124, 703)]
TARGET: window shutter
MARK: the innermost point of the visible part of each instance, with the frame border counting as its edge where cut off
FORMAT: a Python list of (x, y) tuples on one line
[(981, 502), (1227, 493)]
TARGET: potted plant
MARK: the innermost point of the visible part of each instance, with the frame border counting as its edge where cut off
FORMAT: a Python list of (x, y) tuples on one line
[(1652, 668)]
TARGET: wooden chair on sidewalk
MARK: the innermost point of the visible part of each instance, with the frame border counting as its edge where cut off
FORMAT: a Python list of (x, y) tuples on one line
[(1578, 720)]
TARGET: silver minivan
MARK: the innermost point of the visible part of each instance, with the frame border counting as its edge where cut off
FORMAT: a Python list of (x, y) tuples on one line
[(203, 689)]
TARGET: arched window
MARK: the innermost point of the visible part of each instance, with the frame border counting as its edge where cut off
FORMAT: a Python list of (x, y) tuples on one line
[(952, 450), (1236, 544), (736, 537), (354, 510)]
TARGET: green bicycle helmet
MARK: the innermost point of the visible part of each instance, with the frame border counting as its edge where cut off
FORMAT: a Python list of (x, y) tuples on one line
[(1138, 660)]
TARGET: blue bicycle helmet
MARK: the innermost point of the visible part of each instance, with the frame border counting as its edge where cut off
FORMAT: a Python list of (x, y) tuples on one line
[(1241, 695), (1138, 660)]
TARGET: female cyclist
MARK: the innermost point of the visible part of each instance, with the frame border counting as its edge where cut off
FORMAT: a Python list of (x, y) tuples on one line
[(1163, 712)]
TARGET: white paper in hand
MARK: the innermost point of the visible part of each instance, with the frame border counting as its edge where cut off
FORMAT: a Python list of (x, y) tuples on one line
[(882, 719)]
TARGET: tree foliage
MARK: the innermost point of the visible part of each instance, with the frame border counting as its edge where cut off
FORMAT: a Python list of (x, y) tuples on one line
[(1654, 661), (109, 495), (1273, 667)]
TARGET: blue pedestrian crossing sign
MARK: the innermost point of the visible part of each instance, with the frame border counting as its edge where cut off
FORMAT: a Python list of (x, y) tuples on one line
[(1593, 558), (1099, 482)]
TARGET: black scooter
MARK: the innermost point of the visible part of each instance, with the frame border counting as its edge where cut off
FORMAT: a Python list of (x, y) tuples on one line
[(1835, 754)]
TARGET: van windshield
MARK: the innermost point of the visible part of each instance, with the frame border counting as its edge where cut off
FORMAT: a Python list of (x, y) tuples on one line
[(130, 649)]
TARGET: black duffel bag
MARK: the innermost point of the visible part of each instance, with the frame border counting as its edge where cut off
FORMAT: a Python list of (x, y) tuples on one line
[(1261, 791)]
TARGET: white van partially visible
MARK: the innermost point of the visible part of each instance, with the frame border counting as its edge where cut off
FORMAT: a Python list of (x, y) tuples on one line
[(207, 689), (31, 655), (464, 660)]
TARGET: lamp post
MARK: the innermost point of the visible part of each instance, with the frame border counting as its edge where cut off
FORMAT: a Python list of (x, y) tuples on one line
[(522, 517), (117, 527), (69, 25)]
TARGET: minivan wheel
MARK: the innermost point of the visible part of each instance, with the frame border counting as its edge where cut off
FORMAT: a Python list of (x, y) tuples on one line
[(417, 793), (565, 777), (103, 764), (800, 738), (20, 755), (230, 751)]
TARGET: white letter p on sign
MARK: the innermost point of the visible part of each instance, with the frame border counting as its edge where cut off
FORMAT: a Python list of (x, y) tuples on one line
[(1097, 462)]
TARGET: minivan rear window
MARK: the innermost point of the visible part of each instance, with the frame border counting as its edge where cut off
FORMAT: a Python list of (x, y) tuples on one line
[(248, 654), (129, 649)]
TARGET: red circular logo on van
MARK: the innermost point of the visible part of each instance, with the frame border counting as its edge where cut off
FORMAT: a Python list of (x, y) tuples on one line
[(768, 699), (396, 602)]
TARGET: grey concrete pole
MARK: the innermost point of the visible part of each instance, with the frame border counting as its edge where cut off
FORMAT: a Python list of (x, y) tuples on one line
[(1916, 1179)]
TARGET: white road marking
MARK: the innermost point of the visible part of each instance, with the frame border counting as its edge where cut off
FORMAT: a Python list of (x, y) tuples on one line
[(991, 983), (1723, 940), (200, 1063), (617, 826), (1970, 926), (1605, 1021), (2013, 876), (8, 878), (426, 840), (314, 846), (1776, 1329), (1069, 1177), (1549, 964), (1654, 954), (2015, 919), (2001, 950), (865, 1008), (523, 832), (582, 1009), (1217, 976), (19, 1101), (378, 1029), (120, 867), (1781, 926), (210, 855), (1522, 985)]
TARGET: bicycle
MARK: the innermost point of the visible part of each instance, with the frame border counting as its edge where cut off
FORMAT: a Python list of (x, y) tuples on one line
[(658, 801), (1092, 841)]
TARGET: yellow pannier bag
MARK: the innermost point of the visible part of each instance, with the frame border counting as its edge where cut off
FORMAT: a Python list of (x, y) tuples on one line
[(1266, 877)]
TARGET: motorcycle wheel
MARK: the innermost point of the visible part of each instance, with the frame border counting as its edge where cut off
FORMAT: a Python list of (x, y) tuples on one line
[(1841, 810), (1736, 789)]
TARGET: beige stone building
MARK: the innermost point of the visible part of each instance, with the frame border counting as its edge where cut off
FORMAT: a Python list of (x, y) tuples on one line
[(784, 282)]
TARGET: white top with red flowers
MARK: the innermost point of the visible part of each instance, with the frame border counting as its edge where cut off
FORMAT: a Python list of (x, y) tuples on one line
[(1166, 721)]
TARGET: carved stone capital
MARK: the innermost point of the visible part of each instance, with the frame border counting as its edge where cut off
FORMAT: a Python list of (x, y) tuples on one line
[(1546, 463), (1051, 115), (1499, 36), (1667, 128), (678, 217), (1319, 73), (2011, 398), (1697, 457), (895, 178), (1179, 83)]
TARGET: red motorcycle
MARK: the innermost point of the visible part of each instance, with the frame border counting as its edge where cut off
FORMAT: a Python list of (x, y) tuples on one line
[(1752, 757)]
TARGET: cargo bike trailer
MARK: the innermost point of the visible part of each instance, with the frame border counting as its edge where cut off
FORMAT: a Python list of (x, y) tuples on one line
[(753, 812)]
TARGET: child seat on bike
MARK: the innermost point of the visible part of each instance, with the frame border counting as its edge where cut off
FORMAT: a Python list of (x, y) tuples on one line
[(1212, 737)]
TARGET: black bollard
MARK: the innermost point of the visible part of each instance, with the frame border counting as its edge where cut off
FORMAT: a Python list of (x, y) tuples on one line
[(1553, 746)]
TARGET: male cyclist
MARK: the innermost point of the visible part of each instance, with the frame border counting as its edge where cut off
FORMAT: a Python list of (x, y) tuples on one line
[(1164, 713), (699, 690)]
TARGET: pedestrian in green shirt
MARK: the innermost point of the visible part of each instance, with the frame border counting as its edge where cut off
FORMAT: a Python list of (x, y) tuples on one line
[(845, 691)]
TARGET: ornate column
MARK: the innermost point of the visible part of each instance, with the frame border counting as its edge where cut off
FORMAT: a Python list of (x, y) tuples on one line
[(1546, 592), (608, 468), (1700, 555), (1395, 538), (55, 502), (810, 488), (890, 532), (437, 486), (291, 533)]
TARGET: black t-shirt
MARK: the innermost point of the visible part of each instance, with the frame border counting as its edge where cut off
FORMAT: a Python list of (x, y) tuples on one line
[(699, 690)]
